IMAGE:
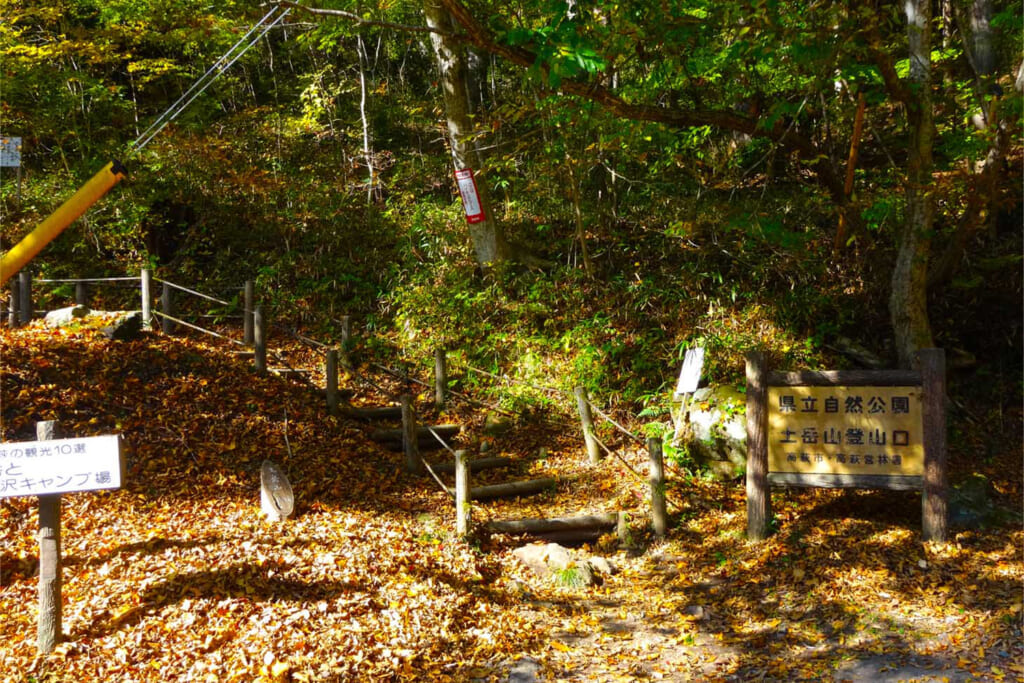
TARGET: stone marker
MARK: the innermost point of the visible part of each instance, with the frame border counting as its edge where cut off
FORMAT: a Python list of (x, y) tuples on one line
[(276, 499), (65, 316)]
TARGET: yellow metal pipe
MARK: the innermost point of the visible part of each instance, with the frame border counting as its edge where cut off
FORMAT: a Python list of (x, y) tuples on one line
[(25, 250)]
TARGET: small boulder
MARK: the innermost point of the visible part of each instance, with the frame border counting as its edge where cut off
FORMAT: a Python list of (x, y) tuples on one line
[(713, 425), (126, 326), (601, 565), (553, 560), (496, 425), (65, 316)]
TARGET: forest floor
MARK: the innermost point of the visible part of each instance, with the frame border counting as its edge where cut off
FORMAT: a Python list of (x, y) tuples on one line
[(177, 576)]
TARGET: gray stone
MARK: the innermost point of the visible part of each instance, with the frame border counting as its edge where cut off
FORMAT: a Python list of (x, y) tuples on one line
[(713, 425), (127, 325), (524, 671), (601, 565), (553, 560), (496, 425), (65, 316)]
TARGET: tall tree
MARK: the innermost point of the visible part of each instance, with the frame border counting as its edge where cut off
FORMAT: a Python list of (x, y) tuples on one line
[(488, 237)]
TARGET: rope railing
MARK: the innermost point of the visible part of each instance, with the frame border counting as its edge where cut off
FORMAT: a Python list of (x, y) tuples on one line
[(197, 328), (511, 380), (194, 292), (615, 424), (76, 280)]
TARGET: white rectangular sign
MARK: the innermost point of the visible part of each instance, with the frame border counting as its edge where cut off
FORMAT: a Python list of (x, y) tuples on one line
[(34, 468), (470, 196), (689, 376), (10, 152)]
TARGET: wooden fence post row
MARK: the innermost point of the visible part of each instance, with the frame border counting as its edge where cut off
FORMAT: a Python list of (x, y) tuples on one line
[(259, 330), (587, 420), (656, 477), (875, 429), (463, 507), (410, 442), (440, 377), (249, 300), (25, 297), (146, 287), (81, 294)]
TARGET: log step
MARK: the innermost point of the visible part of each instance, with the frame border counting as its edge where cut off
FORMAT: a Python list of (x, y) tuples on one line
[(515, 488), (601, 523), (475, 465)]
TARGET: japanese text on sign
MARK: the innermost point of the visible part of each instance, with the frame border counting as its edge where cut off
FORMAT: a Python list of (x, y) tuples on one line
[(470, 197), (10, 152), (34, 468), (845, 430)]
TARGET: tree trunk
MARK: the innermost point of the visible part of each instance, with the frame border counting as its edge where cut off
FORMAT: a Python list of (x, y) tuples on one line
[(908, 300), (371, 180), (488, 238)]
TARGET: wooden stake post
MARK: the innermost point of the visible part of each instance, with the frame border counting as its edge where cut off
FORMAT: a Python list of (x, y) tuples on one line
[(881, 429), (656, 477), (146, 287), (462, 502), (587, 420), (440, 377), (50, 604)]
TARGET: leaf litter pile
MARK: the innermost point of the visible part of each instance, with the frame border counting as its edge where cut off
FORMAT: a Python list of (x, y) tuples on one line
[(177, 576)]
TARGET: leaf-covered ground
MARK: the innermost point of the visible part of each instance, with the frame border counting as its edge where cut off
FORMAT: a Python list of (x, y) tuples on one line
[(177, 577)]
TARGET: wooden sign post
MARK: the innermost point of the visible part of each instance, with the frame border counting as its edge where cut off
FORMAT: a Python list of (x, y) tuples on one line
[(879, 429), (48, 468)]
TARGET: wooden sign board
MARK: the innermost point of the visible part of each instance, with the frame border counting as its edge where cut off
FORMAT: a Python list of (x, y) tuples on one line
[(870, 434), (689, 376), (38, 468), (878, 429)]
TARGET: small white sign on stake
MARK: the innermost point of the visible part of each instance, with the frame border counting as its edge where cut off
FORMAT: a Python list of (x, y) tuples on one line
[(689, 376), (37, 468), (10, 152)]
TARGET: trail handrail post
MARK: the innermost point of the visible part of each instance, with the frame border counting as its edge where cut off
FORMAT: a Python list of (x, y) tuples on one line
[(656, 477), (12, 304), (146, 287), (331, 388), (259, 331), (463, 506), (50, 601), (25, 297), (587, 420), (81, 293), (248, 301), (440, 377), (410, 443), (758, 487), (167, 307), (935, 496)]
